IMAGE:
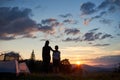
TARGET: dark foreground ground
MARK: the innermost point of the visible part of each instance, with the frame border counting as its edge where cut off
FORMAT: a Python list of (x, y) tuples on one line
[(89, 76)]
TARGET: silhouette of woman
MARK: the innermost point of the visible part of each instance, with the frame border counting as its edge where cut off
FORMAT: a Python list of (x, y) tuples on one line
[(46, 56)]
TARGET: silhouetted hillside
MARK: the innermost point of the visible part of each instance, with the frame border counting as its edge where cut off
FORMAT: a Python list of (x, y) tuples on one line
[(89, 68)]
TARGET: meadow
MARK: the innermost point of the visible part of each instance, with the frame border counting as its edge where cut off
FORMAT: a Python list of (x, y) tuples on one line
[(61, 76)]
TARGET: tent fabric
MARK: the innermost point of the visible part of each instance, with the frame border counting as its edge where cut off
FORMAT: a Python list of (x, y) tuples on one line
[(23, 68), (17, 67), (8, 66), (10, 56), (13, 67)]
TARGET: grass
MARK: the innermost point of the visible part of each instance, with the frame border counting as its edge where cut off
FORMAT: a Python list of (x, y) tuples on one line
[(89, 76)]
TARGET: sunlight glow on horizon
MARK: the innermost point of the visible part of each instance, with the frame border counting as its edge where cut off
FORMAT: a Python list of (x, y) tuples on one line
[(78, 62)]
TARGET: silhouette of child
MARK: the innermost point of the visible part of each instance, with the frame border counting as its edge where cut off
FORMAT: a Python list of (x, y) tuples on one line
[(56, 59)]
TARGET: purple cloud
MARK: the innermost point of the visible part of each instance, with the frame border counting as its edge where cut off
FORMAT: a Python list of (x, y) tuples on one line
[(51, 22), (72, 39), (112, 8), (72, 31), (117, 2), (15, 23), (101, 44), (104, 4), (87, 8), (106, 21), (48, 21), (88, 20), (92, 35), (106, 36), (49, 25), (66, 15), (70, 21), (94, 29), (47, 29), (90, 7), (89, 36), (97, 35), (110, 5), (104, 8)]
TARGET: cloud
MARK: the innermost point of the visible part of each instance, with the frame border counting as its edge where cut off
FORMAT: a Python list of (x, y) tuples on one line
[(107, 60), (118, 34), (66, 15), (16, 23), (106, 36), (101, 44), (112, 8), (92, 35), (97, 35), (51, 22), (7, 38), (47, 29), (99, 15), (90, 8), (95, 29), (106, 21), (109, 3), (87, 8), (88, 20), (72, 31), (70, 21), (49, 25), (105, 7), (44, 39), (72, 39), (48, 21), (117, 2), (104, 4), (89, 36)]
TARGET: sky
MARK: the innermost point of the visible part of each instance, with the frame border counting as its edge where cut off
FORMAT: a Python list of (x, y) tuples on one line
[(85, 30)]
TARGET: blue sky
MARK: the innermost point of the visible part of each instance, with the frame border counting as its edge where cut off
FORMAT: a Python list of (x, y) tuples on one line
[(83, 29)]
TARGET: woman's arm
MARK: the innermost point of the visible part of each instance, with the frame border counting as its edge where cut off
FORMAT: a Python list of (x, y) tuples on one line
[(52, 49)]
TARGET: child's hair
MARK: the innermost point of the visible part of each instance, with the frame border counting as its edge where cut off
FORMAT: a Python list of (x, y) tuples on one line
[(56, 47)]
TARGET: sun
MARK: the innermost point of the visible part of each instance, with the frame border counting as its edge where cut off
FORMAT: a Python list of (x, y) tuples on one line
[(78, 62)]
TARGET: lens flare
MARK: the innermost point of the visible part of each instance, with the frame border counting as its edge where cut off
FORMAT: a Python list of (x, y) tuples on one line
[(78, 62)]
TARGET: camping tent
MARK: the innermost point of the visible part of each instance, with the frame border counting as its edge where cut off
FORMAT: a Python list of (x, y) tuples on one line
[(10, 56), (23, 68), (9, 64), (9, 67)]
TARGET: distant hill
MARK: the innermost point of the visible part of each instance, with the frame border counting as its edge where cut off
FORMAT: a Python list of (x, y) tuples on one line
[(89, 68)]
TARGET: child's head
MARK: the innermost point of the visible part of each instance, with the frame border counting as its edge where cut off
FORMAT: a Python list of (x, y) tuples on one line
[(56, 47)]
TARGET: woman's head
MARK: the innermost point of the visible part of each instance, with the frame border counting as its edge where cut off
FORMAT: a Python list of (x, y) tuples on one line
[(47, 43)]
